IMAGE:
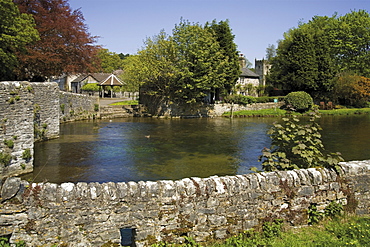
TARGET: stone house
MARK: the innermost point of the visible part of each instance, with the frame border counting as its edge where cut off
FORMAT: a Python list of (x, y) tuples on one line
[(247, 82)]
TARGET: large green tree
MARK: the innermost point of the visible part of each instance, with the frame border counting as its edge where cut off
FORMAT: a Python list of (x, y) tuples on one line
[(228, 48), (16, 31), (109, 61), (310, 56), (352, 43), (185, 67)]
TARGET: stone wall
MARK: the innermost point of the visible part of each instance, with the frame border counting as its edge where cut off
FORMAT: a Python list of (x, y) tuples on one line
[(74, 107), (16, 128), (209, 110), (91, 214), (46, 109), (220, 109), (31, 112)]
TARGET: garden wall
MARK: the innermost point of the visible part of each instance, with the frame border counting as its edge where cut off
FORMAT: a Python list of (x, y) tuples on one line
[(92, 214)]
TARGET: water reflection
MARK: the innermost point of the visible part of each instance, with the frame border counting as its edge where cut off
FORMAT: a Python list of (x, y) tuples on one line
[(151, 149)]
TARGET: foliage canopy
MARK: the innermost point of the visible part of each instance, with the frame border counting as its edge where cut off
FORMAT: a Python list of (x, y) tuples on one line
[(185, 67), (16, 31), (295, 145), (65, 46), (311, 56), (109, 61), (299, 101)]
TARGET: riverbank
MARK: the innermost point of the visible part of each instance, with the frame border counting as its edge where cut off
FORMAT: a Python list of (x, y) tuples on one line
[(280, 112)]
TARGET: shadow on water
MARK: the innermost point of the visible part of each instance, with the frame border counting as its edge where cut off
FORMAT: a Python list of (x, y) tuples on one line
[(137, 149)]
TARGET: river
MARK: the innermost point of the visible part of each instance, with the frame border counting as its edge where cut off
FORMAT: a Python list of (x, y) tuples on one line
[(134, 149)]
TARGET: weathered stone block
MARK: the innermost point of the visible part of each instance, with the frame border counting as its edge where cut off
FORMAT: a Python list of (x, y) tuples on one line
[(10, 188)]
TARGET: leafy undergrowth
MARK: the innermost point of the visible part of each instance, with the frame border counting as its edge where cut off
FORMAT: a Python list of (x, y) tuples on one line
[(126, 102), (343, 231)]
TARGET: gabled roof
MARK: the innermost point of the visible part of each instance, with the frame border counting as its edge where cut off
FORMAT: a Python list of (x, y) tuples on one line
[(248, 73), (99, 78), (111, 80)]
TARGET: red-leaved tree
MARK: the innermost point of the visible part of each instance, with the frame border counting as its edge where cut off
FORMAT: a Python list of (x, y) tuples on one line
[(65, 45)]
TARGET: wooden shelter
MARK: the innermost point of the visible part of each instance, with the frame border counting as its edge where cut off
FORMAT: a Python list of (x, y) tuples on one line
[(111, 81)]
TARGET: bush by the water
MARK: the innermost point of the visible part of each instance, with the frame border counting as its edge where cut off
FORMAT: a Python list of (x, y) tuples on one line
[(245, 100), (298, 101), (295, 145)]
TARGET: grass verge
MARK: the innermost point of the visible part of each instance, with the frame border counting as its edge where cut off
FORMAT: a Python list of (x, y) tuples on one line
[(349, 111), (257, 113), (280, 112), (342, 231), (126, 102)]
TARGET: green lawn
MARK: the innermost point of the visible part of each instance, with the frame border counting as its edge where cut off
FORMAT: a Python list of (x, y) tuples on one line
[(126, 102), (349, 111), (280, 112), (342, 231)]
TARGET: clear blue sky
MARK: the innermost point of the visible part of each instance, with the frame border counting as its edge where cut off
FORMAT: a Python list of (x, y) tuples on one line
[(123, 25)]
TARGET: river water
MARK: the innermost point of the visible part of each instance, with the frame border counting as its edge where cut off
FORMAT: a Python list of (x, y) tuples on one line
[(134, 149)]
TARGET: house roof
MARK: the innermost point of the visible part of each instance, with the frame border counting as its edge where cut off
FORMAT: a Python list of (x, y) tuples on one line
[(111, 80), (248, 73)]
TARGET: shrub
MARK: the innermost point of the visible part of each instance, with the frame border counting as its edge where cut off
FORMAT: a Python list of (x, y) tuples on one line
[(299, 101), (90, 87), (240, 99), (296, 146)]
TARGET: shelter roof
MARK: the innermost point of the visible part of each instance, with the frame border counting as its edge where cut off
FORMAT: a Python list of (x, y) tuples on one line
[(111, 80), (100, 78)]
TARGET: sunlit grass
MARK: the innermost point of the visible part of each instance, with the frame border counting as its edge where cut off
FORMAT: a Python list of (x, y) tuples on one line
[(342, 231), (126, 102), (349, 111), (280, 112), (256, 113)]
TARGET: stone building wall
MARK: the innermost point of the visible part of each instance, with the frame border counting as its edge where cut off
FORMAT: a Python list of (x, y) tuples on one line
[(91, 214), (16, 128)]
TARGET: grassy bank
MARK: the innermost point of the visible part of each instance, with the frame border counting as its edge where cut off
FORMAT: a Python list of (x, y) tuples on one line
[(126, 102), (349, 111), (343, 231), (258, 113), (280, 112)]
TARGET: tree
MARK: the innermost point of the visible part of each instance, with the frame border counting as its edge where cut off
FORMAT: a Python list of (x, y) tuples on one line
[(109, 61), (185, 67), (352, 43), (225, 38), (16, 31), (200, 62), (270, 52), (65, 46), (123, 56), (310, 57), (351, 89)]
